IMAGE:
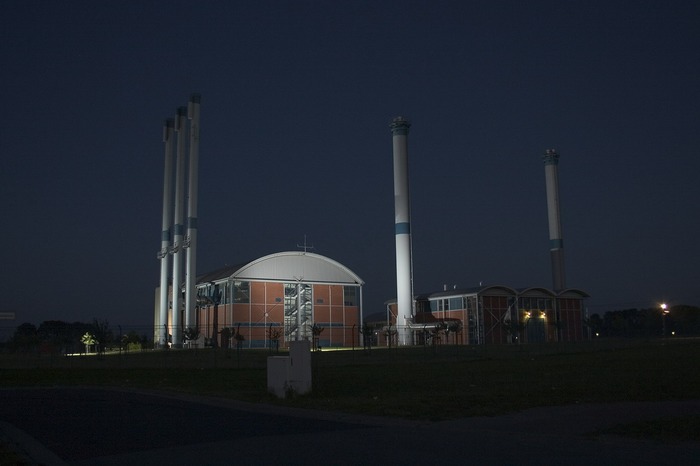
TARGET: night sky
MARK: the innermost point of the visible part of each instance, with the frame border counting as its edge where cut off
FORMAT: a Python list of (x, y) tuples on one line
[(297, 97)]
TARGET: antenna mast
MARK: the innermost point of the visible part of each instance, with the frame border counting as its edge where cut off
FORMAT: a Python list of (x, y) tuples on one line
[(305, 246)]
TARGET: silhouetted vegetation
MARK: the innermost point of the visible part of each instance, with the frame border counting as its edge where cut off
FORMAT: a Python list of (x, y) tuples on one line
[(316, 331), (273, 337), (681, 320), (367, 331), (58, 337)]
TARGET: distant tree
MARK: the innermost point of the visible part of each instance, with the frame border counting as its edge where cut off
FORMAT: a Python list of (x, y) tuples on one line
[(367, 332), (132, 341), (390, 335), (273, 336), (145, 342), (316, 331), (632, 323), (239, 344), (214, 297), (446, 331), (455, 327), (239, 337), (438, 331), (55, 335), (25, 337), (25, 329), (88, 340), (617, 323), (226, 333), (103, 334), (647, 323), (595, 324), (684, 320)]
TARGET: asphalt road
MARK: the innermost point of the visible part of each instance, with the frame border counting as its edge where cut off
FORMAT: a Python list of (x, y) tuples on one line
[(91, 426)]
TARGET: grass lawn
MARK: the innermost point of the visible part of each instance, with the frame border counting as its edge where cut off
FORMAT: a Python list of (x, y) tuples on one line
[(420, 383), (415, 383)]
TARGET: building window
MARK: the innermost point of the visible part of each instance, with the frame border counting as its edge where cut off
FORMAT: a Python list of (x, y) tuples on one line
[(439, 305), (209, 294), (350, 295), (241, 292)]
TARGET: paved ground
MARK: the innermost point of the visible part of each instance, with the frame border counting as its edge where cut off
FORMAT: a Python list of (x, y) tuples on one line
[(92, 426)]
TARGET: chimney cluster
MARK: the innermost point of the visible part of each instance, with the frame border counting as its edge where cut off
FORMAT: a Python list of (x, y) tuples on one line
[(179, 235)]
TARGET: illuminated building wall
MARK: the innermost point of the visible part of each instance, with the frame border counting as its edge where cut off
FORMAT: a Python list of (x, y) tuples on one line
[(494, 315), (281, 297)]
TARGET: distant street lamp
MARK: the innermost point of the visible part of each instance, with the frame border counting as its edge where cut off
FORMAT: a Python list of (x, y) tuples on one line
[(664, 312)]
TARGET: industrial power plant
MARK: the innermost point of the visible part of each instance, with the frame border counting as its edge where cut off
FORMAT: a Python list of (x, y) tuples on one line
[(293, 296)]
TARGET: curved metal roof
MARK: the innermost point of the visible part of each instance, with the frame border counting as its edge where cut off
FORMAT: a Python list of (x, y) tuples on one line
[(535, 291), (573, 293), (498, 290), (291, 266)]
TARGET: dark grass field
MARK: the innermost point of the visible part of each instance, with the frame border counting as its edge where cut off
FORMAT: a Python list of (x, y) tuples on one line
[(440, 383), (419, 383)]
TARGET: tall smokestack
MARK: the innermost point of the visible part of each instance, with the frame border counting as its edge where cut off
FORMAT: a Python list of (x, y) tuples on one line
[(404, 280), (191, 268), (178, 227), (163, 255), (556, 243)]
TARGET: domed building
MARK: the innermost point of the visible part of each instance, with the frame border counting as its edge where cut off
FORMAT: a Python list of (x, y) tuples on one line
[(282, 297)]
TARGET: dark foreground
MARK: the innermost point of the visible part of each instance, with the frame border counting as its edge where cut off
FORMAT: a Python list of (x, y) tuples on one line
[(94, 426)]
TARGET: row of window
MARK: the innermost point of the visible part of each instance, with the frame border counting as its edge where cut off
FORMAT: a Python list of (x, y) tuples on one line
[(239, 293), (463, 302)]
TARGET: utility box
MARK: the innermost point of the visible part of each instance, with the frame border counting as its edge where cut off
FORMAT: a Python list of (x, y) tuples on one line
[(290, 374), (278, 375)]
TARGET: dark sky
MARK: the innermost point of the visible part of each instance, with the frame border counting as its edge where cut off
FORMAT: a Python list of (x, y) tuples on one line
[(297, 97)]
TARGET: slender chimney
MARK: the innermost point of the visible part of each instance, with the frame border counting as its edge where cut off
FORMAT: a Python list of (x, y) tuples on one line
[(404, 266), (178, 227), (191, 267), (163, 255), (556, 243)]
